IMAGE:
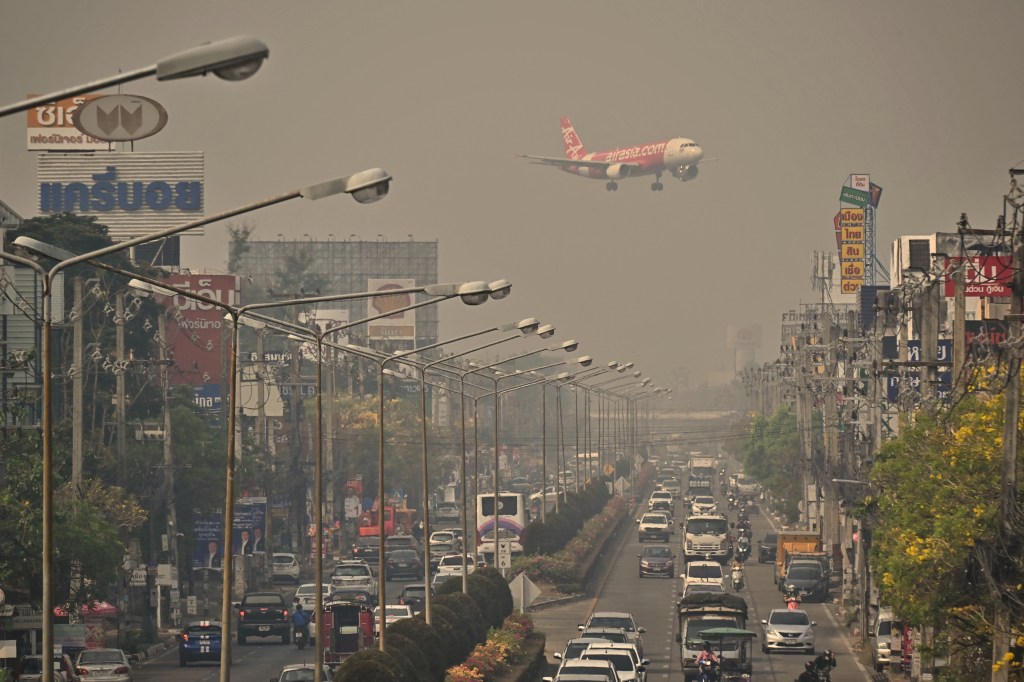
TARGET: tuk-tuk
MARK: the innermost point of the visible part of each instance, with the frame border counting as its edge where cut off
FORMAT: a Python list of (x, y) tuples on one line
[(347, 628), (736, 669)]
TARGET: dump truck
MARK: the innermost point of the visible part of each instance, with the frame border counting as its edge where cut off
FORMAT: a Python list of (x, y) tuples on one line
[(700, 612), (793, 541)]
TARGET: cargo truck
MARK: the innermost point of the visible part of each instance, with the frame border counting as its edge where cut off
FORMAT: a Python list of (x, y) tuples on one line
[(698, 613), (793, 541)]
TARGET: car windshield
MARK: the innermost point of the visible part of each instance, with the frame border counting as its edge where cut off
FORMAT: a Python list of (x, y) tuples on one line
[(622, 662), (704, 571), (770, 539), (297, 675), (654, 518), (885, 628), (619, 637), (803, 573), (414, 592), (368, 542), (574, 650), (612, 622), (404, 555), (440, 547), (262, 600), (283, 559), (658, 552), (351, 571), (442, 536), (203, 629), (707, 526), (92, 657), (396, 541), (704, 587), (789, 617)]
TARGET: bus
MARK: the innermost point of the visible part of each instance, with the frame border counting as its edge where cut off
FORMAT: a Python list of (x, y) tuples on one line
[(512, 518)]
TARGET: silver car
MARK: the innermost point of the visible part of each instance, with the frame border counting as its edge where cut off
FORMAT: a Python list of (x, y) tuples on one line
[(104, 665), (788, 630), (618, 619)]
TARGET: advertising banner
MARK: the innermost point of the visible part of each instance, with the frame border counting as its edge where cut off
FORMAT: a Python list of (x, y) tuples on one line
[(196, 332), (396, 327), (51, 127), (208, 531), (250, 526), (854, 197)]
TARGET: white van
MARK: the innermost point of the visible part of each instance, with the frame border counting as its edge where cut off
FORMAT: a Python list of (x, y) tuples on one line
[(887, 639)]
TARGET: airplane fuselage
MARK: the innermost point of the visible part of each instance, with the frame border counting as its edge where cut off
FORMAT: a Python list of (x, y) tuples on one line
[(673, 156)]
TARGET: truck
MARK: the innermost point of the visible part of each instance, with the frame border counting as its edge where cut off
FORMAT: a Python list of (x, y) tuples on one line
[(793, 541), (707, 537), (264, 614), (701, 478), (708, 611)]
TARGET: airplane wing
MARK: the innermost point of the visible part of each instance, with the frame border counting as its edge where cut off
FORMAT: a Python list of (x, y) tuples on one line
[(562, 162)]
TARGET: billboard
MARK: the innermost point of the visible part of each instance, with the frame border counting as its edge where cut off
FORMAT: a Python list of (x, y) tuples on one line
[(51, 127), (987, 264), (196, 330), (851, 236), (132, 193), (248, 533), (396, 327)]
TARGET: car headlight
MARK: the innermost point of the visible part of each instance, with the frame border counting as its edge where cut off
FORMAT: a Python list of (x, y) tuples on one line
[(645, 564)]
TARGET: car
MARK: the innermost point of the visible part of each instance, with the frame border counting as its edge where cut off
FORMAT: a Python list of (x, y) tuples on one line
[(618, 619), (673, 486), (447, 512), (353, 575), (392, 614), (199, 641), (104, 665), (703, 572), (285, 566), (662, 507), (807, 581), (703, 588), (439, 550), (766, 548), (703, 504), (615, 635), (659, 496), (301, 672), (404, 563), (579, 669), (263, 614), (653, 526), (413, 596), (442, 536), (353, 594), (367, 549), (657, 561), (788, 630), (881, 637), (30, 669), (305, 594), (401, 542), (575, 647), (441, 578), (452, 564), (631, 650), (626, 667)]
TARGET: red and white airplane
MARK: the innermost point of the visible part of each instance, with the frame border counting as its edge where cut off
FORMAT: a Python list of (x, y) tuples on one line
[(678, 156)]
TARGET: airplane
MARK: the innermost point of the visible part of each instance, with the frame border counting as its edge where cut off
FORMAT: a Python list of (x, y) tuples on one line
[(678, 156)]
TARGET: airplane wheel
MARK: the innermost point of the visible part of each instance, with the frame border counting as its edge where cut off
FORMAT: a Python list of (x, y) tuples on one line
[(612, 186), (659, 187)]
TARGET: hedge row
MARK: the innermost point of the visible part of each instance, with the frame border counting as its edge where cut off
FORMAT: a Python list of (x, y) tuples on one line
[(555, 532), (419, 652)]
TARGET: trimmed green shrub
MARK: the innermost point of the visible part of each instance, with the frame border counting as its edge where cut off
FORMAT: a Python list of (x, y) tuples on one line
[(467, 610), (368, 665), (427, 638), (503, 591), (409, 649), (485, 596), (456, 636)]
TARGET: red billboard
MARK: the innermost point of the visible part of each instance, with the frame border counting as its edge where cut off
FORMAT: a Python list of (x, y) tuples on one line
[(989, 276), (197, 331)]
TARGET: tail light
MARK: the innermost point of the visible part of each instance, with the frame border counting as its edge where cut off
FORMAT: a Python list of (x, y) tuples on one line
[(83, 672), (123, 670), (241, 616), (286, 613)]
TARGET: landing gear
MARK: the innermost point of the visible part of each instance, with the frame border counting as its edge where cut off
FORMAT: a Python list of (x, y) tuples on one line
[(612, 186), (656, 186)]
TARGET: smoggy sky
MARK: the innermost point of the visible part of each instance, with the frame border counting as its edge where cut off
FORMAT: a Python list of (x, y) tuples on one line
[(791, 97)]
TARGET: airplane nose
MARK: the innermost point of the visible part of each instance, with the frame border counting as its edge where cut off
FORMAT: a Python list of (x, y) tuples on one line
[(697, 153)]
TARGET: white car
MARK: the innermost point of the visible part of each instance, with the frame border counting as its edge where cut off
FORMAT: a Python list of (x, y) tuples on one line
[(446, 536), (579, 669), (659, 495), (654, 526), (394, 613), (354, 574), (451, 564), (703, 504), (301, 672), (640, 665), (104, 665), (703, 572), (285, 566), (617, 619), (305, 594)]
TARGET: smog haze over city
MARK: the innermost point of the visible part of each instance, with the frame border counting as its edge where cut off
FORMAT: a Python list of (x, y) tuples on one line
[(789, 97)]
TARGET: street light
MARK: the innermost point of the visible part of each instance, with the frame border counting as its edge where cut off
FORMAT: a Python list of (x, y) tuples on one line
[(232, 59), (66, 259)]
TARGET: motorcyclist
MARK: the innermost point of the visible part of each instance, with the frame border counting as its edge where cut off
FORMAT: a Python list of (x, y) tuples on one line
[(300, 621), (808, 674), (824, 663), (707, 655), (737, 575)]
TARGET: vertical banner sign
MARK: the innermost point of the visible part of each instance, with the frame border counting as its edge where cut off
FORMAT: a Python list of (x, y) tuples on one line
[(851, 232)]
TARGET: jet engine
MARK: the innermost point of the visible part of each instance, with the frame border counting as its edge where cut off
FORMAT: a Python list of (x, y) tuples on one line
[(685, 173), (617, 171)]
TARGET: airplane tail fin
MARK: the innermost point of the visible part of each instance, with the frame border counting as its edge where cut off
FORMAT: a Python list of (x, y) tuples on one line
[(571, 141)]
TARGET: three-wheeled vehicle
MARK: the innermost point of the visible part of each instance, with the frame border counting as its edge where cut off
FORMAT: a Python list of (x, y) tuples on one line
[(734, 669), (347, 627)]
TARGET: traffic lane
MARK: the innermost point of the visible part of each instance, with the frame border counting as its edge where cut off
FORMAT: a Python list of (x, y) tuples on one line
[(258, 659), (763, 595), (652, 601)]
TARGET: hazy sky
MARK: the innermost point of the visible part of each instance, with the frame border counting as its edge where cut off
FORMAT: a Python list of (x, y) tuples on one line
[(790, 96)]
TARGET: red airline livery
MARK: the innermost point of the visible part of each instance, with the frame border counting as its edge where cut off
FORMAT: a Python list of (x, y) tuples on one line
[(678, 156)]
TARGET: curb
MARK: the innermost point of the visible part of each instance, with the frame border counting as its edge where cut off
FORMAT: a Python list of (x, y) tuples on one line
[(558, 601), (154, 650)]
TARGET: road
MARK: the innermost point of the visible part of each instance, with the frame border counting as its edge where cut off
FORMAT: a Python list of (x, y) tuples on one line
[(652, 602)]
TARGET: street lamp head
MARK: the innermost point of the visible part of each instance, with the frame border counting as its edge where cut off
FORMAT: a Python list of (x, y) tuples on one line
[(474, 293), (568, 346), (637, 374), (232, 59), (628, 365), (43, 249), (148, 288), (612, 364), (500, 288), (530, 325), (645, 382), (546, 332), (584, 360), (366, 186)]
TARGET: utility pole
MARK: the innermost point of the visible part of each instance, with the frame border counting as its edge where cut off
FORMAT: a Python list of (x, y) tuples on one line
[(119, 372), (298, 477), (77, 393), (172, 520)]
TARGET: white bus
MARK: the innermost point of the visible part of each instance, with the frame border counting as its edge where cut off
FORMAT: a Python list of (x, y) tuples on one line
[(512, 518)]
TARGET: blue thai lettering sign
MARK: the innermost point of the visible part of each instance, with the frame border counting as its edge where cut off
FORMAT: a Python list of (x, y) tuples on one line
[(107, 193)]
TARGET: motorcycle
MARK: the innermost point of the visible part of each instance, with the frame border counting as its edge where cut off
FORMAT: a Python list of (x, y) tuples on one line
[(300, 639), (742, 549), (737, 579), (707, 671)]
